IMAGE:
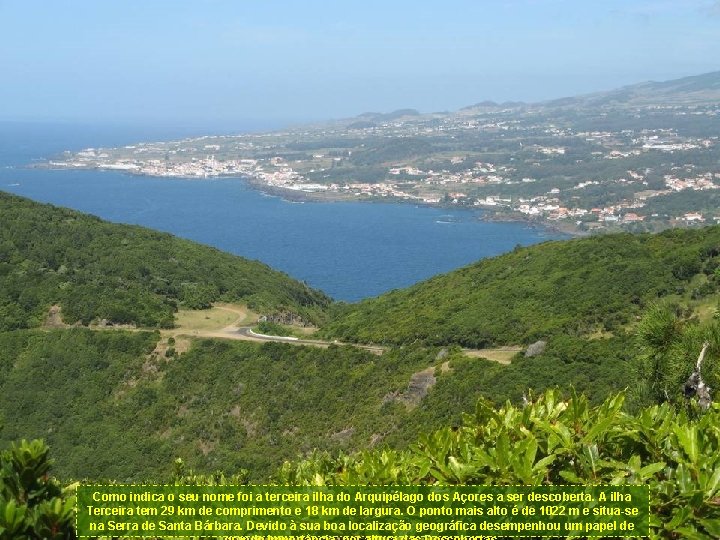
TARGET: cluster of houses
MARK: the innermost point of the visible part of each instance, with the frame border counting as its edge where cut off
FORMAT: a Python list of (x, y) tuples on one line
[(454, 183), (549, 206), (278, 173)]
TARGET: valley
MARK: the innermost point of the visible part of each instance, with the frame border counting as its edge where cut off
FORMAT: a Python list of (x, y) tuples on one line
[(157, 364), (116, 367), (233, 303), (380, 372)]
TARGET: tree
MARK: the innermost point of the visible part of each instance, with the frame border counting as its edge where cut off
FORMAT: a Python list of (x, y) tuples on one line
[(678, 357), (32, 506)]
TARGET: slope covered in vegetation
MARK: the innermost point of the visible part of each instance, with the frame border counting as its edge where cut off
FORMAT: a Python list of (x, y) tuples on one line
[(221, 405), (125, 274), (113, 408), (109, 408), (231, 405), (547, 442), (573, 287)]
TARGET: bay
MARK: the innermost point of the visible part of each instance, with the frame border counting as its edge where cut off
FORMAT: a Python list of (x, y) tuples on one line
[(349, 250)]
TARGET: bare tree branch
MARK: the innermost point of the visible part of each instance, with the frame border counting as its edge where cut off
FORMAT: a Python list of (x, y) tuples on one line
[(695, 386)]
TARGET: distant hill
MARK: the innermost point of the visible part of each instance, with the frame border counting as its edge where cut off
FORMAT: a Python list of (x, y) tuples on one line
[(125, 274), (394, 115), (489, 105), (693, 90), (575, 287)]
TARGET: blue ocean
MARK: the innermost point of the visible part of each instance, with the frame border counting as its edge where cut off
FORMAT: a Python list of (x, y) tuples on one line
[(349, 250)]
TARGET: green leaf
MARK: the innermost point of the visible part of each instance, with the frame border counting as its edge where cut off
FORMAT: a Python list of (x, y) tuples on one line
[(688, 439), (461, 471), (680, 516), (608, 414), (711, 487), (650, 470), (592, 457), (570, 476), (544, 462), (712, 526), (684, 479), (502, 451)]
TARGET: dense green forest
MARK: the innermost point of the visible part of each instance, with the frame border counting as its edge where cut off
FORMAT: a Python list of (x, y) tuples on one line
[(575, 287), (125, 274), (109, 408)]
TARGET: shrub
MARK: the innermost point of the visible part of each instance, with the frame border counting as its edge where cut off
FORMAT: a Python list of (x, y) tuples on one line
[(32, 505), (558, 441)]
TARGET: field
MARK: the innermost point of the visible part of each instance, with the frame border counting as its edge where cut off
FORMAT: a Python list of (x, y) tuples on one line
[(501, 355), (216, 318)]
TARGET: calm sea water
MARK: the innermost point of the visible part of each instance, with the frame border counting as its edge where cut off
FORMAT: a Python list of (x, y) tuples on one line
[(349, 250)]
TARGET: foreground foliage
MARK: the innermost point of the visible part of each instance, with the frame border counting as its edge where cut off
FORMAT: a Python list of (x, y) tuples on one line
[(557, 441), (125, 274), (669, 345), (32, 505), (550, 441)]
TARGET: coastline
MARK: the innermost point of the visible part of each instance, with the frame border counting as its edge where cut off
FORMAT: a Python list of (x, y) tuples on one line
[(299, 196), (554, 226), (488, 215)]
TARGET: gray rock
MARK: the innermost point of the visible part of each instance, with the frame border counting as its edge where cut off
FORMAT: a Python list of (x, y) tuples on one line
[(535, 349)]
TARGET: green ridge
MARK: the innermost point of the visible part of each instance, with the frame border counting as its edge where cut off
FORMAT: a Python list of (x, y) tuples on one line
[(126, 274), (576, 287)]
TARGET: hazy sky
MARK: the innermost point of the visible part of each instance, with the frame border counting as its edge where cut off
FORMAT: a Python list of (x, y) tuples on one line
[(228, 61)]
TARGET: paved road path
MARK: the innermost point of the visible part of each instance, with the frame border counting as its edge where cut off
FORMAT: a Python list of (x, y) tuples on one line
[(245, 332)]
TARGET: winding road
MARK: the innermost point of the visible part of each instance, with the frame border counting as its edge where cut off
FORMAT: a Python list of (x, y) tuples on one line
[(245, 332), (237, 330)]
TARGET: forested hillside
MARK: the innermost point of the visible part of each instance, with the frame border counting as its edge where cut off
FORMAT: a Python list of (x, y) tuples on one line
[(575, 287), (556, 440), (113, 405), (109, 408), (125, 274)]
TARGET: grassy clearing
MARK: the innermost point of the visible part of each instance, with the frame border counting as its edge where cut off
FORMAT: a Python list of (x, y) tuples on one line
[(502, 355), (706, 308), (215, 318), (303, 332), (601, 333)]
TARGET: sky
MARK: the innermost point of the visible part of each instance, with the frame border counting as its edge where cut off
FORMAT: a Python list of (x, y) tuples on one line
[(233, 61)]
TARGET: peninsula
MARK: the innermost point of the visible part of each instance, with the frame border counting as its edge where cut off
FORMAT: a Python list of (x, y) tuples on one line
[(641, 158)]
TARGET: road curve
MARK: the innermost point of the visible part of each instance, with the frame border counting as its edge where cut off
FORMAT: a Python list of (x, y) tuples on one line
[(246, 332)]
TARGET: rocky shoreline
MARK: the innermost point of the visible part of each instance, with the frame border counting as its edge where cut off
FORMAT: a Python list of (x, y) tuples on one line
[(488, 214)]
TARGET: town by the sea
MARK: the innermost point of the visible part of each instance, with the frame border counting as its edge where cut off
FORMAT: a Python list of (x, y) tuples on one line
[(349, 250)]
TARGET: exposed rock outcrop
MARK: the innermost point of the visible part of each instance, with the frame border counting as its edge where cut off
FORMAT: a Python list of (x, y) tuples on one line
[(535, 349)]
